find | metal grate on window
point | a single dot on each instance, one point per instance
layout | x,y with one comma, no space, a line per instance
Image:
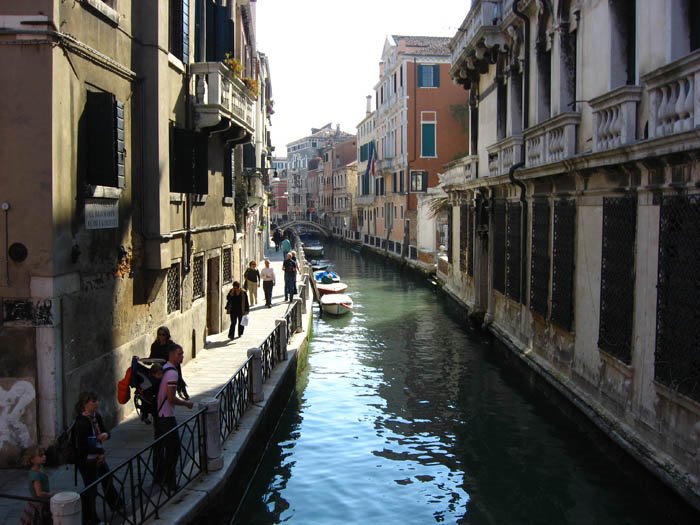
198,277
677,360
563,263
617,276
539,258
513,266
174,287
226,261
463,233
470,242
499,246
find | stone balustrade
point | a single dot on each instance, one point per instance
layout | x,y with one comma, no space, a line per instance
674,99
552,140
615,117
503,154
478,24
219,95
458,172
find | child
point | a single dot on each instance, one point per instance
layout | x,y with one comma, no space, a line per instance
156,371
35,511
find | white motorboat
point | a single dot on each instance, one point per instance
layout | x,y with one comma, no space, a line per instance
330,288
336,304
313,249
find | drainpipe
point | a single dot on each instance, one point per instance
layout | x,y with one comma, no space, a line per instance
526,65
526,124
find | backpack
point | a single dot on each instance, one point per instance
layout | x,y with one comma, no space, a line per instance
146,399
63,450
124,388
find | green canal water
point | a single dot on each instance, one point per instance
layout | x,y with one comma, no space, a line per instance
405,414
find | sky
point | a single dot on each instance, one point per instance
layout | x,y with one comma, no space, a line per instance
324,55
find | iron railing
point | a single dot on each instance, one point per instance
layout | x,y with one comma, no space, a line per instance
130,492
234,398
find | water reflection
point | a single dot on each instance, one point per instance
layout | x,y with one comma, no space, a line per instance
409,416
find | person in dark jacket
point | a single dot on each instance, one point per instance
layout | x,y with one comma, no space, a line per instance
237,306
160,349
90,435
252,279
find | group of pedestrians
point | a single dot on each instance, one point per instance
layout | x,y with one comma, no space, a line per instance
89,433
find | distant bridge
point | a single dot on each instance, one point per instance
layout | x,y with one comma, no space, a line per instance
307,224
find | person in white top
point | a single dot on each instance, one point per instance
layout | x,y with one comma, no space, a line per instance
167,453
267,275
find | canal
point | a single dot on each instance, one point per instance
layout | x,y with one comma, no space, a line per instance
405,414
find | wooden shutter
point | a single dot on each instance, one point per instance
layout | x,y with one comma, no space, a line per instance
201,163
102,139
181,160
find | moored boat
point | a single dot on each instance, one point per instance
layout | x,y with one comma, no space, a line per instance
313,249
336,304
318,265
330,288
326,277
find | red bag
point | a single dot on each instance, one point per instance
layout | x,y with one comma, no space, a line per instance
123,388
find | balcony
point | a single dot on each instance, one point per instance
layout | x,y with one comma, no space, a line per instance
552,140
503,154
459,172
221,97
479,32
615,118
674,105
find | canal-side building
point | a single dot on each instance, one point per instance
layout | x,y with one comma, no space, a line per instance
575,213
123,191
278,190
417,126
363,206
299,154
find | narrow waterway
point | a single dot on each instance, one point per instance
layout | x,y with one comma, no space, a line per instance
407,415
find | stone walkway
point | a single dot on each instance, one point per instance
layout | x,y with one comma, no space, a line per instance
205,375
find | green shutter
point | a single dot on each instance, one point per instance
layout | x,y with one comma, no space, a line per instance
427,140
436,75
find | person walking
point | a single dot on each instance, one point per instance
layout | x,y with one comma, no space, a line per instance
167,453
289,267
237,306
160,349
267,275
252,278
286,247
90,436
277,238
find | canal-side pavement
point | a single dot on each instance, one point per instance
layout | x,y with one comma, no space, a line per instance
205,375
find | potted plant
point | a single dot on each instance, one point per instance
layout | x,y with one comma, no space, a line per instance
234,65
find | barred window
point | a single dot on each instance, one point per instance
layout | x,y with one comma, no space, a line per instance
470,242
174,287
513,266
226,271
499,246
539,258
463,233
617,276
677,360
198,277
563,264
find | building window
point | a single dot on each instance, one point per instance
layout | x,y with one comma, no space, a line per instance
539,258
428,75
617,277
428,138
180,29
198,277
105,140
226,270
188,161
513,253
677,360
419,181
623,43
173,285
499,246
563,246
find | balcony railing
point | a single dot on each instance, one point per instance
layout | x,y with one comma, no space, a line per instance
504,154
615,117
219,95
481,23
674,104
459,172
552,140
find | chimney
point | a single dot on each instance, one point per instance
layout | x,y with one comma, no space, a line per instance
369,105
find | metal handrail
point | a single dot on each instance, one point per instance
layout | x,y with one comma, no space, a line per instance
140,496
234,399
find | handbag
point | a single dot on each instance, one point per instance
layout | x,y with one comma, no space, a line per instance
244,320
245,285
